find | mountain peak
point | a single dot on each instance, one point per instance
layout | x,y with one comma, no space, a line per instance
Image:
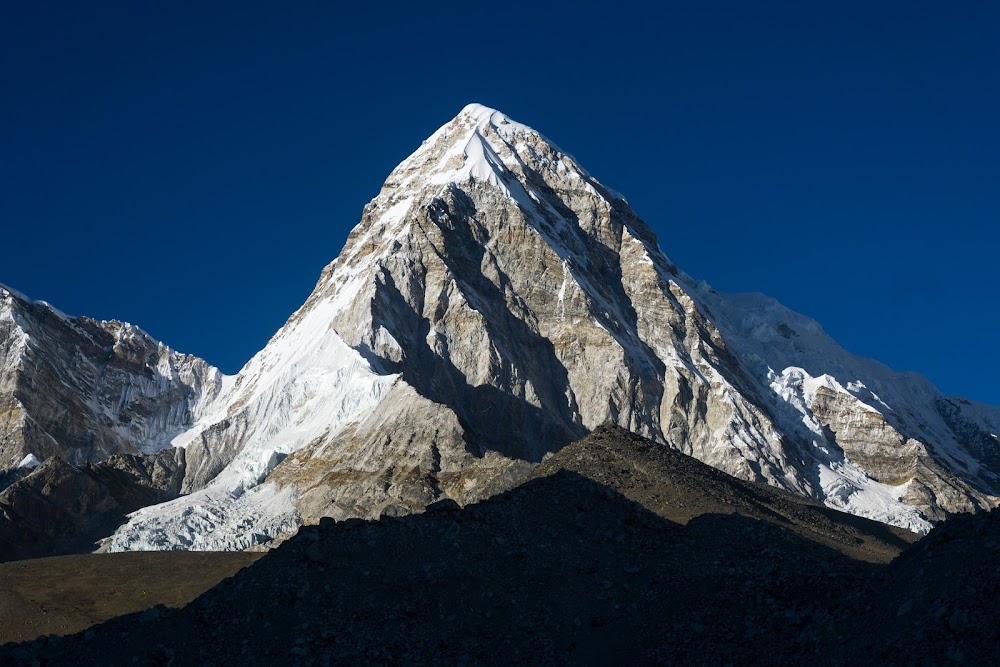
485,120
476,144
482,114
495,303
485,146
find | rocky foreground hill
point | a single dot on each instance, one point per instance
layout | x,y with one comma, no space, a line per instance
495,303
622,552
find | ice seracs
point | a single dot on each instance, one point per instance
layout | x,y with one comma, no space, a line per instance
305,386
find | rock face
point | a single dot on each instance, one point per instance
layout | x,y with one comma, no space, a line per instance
85,390
495,303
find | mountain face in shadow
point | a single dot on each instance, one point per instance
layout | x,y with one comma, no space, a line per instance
60,508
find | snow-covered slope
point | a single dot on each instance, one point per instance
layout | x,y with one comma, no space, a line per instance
496,302
306,384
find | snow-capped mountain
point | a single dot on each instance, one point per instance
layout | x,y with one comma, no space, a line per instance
497,302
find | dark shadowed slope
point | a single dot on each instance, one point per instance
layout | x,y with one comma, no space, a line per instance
60,508
679,488
942,597
563,569
559,570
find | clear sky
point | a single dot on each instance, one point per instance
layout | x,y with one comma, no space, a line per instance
191,169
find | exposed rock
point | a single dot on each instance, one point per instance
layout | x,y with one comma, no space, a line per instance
681,488
84,390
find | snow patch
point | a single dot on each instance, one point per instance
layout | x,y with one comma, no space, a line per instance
29,462
848,489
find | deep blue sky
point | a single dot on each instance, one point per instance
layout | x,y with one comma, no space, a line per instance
192,169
